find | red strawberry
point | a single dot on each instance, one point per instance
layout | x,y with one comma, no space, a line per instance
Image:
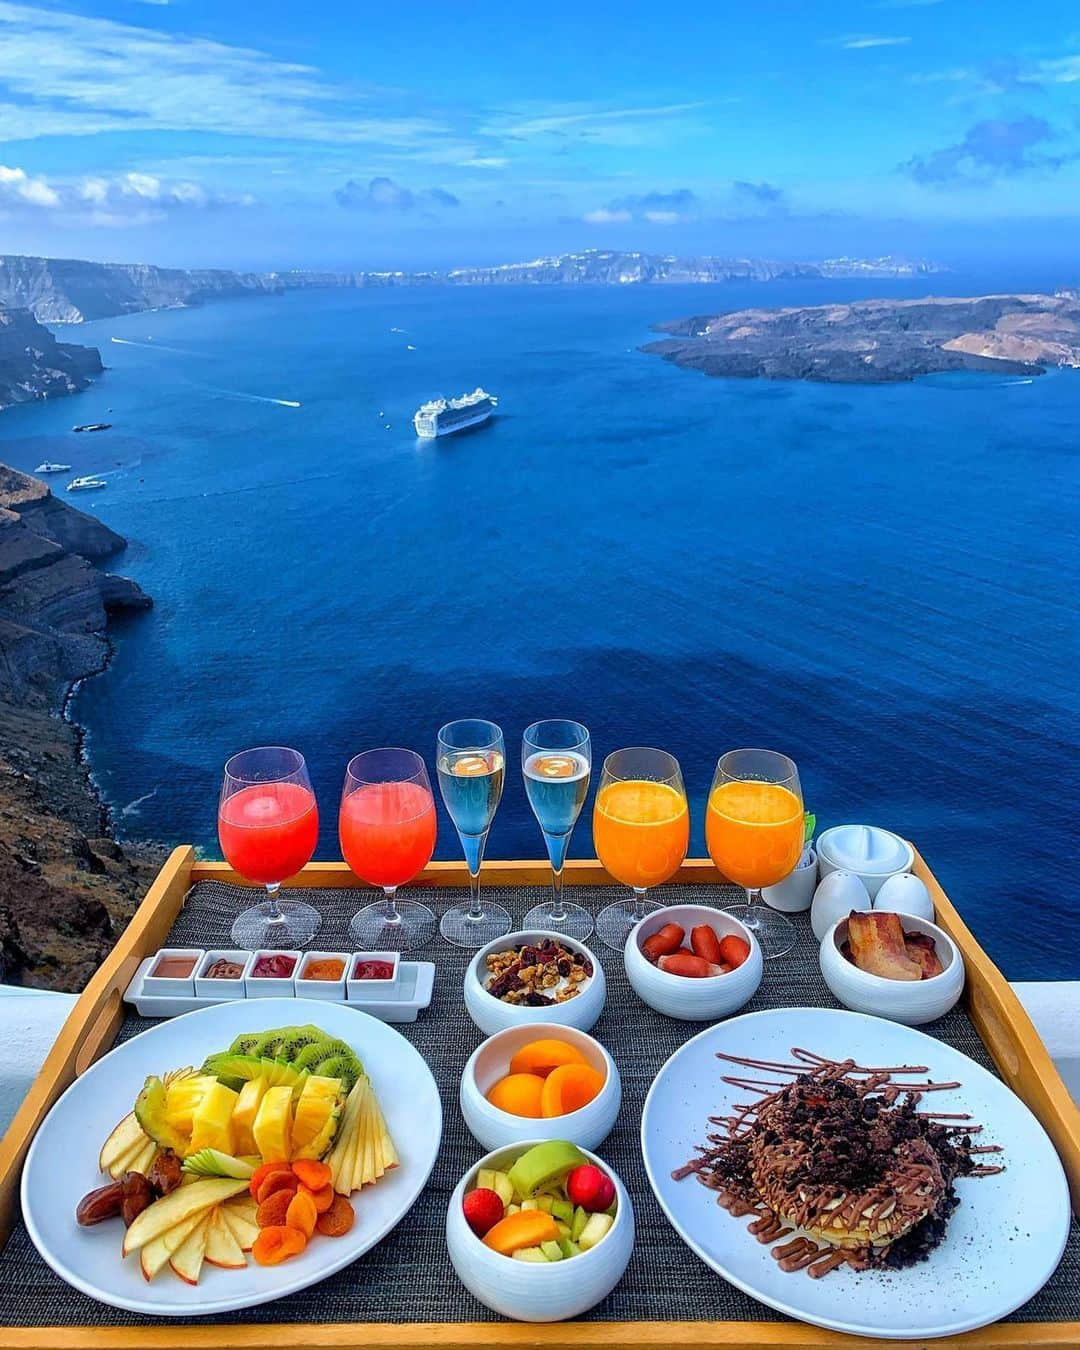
482,1209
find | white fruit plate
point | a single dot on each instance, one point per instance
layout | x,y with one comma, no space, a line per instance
62,1163
1004,1240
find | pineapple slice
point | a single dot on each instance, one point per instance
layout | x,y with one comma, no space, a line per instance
318,1103
182,1097
211,1120
244,1113
273,1125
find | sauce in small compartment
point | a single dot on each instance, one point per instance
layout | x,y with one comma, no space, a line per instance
324,969
373,970
274,966
223,969
173,968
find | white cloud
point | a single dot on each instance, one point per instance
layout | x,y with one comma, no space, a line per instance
79,75
122,199
864,41
603,216
1060,70
17,186
603,126
484,162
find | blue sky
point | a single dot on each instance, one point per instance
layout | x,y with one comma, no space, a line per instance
348,133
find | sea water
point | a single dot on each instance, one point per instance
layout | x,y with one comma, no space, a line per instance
878,580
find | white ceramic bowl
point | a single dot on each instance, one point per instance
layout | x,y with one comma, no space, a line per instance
529,1292
688,999
491,1014
490,1061
909,1001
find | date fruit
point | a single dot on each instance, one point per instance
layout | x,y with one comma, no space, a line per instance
104,1203
137,1194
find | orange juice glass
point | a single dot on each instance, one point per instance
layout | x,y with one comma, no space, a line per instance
754,829
641,828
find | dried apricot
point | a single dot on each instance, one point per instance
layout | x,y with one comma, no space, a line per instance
569,1088
322,1198
262,1172
518,1094
302,1213
544,1055
338,1219
271,1213
274,1245
276,1181
314,1175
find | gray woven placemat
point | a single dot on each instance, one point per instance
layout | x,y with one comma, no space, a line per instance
408,1277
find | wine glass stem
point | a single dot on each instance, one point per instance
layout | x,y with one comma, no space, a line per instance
639,903
475,911
275,915
390,909
558,909
753,896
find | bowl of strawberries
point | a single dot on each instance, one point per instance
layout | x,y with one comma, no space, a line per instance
693,962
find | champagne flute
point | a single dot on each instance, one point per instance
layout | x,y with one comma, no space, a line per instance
387,829
754,829
556,760
641,828
268,826
471,764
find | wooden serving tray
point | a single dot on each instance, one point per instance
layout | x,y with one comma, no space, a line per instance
1006,1030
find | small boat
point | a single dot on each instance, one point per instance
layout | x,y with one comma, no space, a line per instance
92,426
47,466
86,484
409,347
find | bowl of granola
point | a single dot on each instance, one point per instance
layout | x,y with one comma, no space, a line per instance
534,976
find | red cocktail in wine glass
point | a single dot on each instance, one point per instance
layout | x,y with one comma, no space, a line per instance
268,825
387,831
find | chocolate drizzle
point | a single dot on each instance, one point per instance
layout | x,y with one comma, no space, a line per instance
840,1155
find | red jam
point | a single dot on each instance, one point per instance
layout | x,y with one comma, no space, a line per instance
372,970
274,967
173,968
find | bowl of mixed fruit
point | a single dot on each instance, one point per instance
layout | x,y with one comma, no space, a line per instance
540,1231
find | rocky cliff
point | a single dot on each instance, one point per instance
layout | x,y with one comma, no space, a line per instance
878,341
33,365
66,887
65,290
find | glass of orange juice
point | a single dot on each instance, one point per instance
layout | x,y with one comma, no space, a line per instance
641,828
754,829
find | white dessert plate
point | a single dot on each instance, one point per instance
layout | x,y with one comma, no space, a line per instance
1004,1240
62,1163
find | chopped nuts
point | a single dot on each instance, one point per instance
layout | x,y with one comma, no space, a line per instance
535,976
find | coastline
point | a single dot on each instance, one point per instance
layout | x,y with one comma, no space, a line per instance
67,887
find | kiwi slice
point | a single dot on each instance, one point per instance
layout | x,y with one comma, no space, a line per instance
271,1044
312,1054
344,1066
298,1039
245,1043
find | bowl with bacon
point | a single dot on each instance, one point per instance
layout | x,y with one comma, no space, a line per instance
892,965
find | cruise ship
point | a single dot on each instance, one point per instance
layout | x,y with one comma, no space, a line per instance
442,416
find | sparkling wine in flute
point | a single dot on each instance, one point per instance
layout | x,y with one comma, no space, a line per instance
471,782
556,782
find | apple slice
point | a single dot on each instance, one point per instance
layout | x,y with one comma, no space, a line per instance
243,1230
222,1248
154,1256
177,1206
242,1206
187,1260
125,1139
